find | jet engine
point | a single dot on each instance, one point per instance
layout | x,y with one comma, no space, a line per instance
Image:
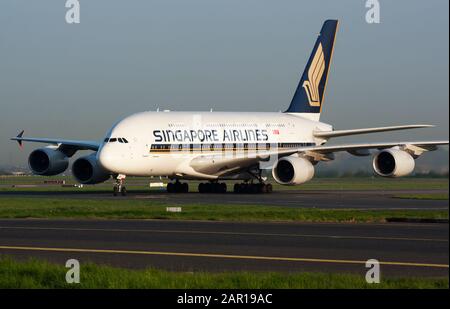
293,171
87,170
393,163
47,162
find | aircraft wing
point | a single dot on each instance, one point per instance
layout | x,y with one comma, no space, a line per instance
72,145
363,149
339,133
234,162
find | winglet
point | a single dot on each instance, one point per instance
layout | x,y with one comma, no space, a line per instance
18,138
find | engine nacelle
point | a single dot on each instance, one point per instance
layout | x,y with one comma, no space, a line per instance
47,162
293,171
88,171
393,163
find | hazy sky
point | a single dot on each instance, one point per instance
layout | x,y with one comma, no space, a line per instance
75,81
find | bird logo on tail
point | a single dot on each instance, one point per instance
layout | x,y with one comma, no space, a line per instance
315,73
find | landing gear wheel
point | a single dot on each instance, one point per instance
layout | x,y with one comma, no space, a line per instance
123,191
260,188
177,187
212,187
119,190
252,188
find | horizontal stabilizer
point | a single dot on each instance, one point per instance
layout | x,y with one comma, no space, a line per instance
338,133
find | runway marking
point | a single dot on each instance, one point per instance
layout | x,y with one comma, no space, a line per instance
221,256
223,233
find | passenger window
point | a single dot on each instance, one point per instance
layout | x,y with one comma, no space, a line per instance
106,140
125,140
113,140
120,140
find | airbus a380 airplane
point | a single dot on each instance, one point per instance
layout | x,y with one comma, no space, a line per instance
215,146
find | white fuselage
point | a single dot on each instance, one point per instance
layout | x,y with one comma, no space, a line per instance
163,143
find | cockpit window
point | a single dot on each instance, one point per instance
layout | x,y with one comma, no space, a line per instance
114,139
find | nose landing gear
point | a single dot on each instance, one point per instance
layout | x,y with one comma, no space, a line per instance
119,186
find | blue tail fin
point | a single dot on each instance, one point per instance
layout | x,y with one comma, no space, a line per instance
308,97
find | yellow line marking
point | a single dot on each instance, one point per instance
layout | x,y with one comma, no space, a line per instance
221,233
222,256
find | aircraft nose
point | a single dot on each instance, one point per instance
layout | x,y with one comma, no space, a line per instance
106,159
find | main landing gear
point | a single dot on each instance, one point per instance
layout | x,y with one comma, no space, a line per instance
252,187
119,186
177,187
212,187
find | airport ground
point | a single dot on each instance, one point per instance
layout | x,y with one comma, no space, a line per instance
317,235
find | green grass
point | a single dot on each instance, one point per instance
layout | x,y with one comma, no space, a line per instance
37,274
432,196
145,209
